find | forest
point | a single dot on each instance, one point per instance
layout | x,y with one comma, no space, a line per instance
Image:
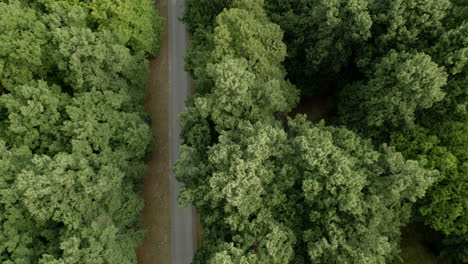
388,162
74,133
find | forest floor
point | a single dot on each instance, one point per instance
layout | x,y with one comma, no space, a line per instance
415,246
156,248
316,108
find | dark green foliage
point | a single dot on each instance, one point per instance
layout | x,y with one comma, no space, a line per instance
455,248
328,41
73,130
400,84
405,25
321,37
202,13
444,148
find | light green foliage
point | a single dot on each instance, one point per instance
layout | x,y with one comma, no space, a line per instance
65,202
319,194
73,129
444,148
248,34
239,33
100,242
400,84
34,112
358,197
22,37
238,71
99,119
22,239
238,95
87,60
237,187
136,23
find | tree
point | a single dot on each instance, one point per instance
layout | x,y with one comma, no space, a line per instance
397,69
317,194
404,25
85,59
34,111
22,239
451,51
202,13
239,33
73,129
400,84
331,42
137,25
66,208
317,59
22,57
238,72
99,119
444,207
238,94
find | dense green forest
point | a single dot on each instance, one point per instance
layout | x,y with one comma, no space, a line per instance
73,128
393,151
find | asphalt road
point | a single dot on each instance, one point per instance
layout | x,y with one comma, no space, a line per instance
183,227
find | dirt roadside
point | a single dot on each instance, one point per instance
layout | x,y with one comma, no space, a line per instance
156,248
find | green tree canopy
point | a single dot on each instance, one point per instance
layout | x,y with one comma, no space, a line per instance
22,38
135,24
238,70
271,191
331,43
73,129
444,148
321,36
34,111
239,33
238,94
317,194
400,84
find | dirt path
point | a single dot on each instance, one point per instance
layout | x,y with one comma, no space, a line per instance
156,248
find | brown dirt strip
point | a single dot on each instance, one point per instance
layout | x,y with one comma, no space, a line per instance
156,248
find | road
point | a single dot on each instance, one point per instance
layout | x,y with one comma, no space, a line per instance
182,221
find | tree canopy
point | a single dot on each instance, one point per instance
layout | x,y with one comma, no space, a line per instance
315,194
276,190
401,84
73,130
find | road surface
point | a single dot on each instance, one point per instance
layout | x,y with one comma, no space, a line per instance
183,227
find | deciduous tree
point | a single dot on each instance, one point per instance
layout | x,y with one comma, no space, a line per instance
317,194
400,84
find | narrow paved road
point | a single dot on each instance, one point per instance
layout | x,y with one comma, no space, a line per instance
183,228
